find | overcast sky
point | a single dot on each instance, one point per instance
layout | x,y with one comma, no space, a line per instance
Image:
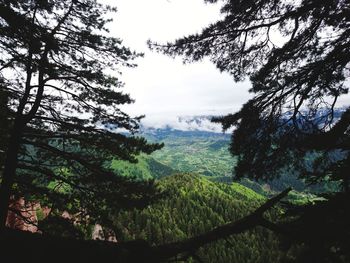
164,87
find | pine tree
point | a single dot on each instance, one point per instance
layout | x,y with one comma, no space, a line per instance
59,68
5,122
297,56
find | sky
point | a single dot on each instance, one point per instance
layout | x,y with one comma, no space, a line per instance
165,88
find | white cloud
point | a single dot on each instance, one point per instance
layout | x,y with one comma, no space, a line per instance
163,86
183,123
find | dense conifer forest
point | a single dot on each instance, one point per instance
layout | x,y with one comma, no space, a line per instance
194,205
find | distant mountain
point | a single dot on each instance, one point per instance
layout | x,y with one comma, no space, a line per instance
202,123
321,114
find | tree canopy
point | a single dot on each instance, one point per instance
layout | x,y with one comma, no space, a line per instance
62,94
59,71
296,55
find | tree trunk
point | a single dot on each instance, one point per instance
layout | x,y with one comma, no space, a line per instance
346,183
10,169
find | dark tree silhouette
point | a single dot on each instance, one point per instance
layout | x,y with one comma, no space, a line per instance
297,56
59,85
4,120
55,56
56,99
127,252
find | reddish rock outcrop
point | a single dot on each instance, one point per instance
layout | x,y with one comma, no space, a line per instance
99,233
22,215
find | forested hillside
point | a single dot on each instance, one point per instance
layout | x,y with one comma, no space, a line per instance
145,169
193,205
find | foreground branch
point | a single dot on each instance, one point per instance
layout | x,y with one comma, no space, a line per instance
58,249
192,244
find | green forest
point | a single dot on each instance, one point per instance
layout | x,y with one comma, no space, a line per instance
194,205
84,179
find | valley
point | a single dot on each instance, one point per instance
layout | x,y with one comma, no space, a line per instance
195,171
206,153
